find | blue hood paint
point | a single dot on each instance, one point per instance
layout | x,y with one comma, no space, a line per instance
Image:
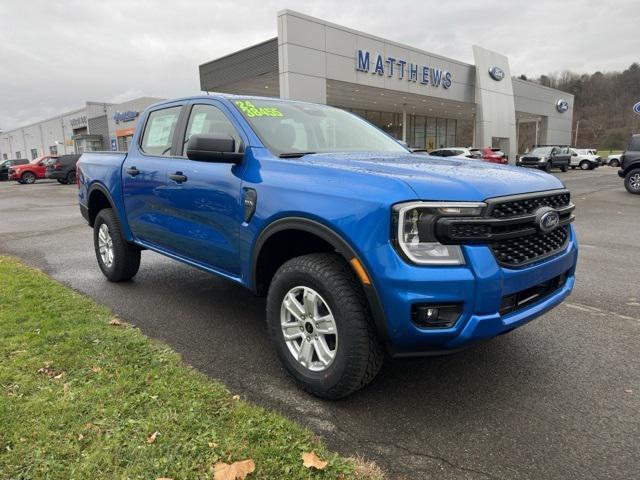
436,178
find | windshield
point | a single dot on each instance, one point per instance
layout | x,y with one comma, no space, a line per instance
541,151
298,128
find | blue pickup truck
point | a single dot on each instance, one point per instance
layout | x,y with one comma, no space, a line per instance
361,247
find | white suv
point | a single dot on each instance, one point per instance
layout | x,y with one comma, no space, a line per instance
456,152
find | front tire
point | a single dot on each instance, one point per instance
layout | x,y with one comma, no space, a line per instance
584,165
614,163
632,181
28,178
319,321
118,259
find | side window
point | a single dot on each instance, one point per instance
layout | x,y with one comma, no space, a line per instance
158,132
210,120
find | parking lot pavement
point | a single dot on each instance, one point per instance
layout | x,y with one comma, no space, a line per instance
558,398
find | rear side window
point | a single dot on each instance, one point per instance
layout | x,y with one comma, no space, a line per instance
158,132
210,120
634,145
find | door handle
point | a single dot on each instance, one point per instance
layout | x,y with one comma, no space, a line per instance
178,177
133,171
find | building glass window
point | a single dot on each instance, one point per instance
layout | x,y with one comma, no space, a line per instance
422,132
4,156
34,153
18,154
53,150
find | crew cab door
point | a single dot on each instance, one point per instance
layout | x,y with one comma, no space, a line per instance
203,199
144,176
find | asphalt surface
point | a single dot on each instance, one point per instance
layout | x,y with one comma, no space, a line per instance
558,398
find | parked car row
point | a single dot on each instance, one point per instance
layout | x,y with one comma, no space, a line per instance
563,157
486,154
61,168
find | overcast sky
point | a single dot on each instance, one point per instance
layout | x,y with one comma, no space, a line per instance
55,55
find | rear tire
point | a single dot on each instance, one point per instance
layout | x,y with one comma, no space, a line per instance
118,259
61,181
632,181
71,177
28,178
338,364
563,168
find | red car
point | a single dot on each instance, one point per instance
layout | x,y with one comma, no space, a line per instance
493,155
30,172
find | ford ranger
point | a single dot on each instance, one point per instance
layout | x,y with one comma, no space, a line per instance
360,246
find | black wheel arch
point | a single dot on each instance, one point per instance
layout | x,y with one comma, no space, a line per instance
98,187
340,245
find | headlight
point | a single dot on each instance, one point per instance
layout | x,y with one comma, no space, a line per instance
414,230
542,158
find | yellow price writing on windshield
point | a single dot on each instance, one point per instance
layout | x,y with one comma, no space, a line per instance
250,110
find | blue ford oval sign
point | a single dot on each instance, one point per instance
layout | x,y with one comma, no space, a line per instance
636,108
496,73
562,105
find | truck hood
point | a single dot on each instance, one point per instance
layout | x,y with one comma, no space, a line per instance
436,178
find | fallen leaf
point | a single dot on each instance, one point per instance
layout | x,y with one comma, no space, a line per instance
50,372
88,425
81,437
628,391
152,437
95,369
213,445
236,397
311,460
16,352
235,471
66,387
115,322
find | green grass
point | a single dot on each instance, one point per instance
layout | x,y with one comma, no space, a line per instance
116,389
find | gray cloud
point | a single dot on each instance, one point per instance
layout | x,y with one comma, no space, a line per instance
55,54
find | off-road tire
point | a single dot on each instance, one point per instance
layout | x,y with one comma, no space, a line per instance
359,353
631,179
126,256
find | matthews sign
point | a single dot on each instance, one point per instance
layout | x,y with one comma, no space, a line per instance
395,67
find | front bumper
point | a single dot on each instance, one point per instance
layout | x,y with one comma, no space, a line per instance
479,286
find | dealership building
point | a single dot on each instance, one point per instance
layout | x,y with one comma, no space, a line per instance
425,99
96,126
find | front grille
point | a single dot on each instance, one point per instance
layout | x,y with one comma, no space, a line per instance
523,206
522,250
510,227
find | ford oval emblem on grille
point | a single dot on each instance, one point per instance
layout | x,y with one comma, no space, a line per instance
496,73
547,219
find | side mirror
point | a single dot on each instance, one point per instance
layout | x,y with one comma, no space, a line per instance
219,148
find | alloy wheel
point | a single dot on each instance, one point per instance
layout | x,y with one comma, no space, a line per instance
105,245
309,328
634,181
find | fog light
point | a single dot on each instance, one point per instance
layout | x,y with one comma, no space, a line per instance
435,315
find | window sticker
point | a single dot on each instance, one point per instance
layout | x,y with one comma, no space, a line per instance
250,110
160,131
197,123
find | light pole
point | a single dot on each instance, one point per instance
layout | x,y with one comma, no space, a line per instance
575,139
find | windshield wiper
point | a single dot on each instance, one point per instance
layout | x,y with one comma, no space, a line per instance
295,154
